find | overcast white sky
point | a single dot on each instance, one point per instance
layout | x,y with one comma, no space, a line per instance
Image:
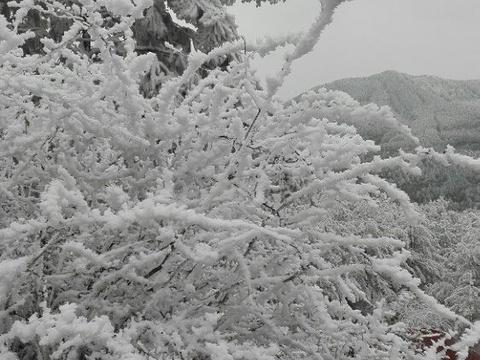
418,37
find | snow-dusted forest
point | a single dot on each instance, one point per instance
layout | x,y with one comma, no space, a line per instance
158,203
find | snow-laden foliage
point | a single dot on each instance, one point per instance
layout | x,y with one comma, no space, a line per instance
169,29
458,285
187,225
464,274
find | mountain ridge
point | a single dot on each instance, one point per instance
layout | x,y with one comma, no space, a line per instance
439,111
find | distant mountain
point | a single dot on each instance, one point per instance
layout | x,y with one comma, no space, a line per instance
438,111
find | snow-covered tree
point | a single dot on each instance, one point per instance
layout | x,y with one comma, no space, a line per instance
458,286
464,260
168,29
193,226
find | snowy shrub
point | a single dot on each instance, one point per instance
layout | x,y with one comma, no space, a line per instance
189,224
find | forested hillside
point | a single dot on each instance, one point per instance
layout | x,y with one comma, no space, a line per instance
440,113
